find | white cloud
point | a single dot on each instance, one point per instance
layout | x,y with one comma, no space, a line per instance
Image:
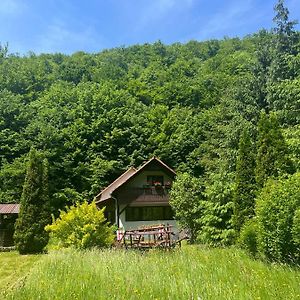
58,38
234,16
293,6
156,10
11,7
163,6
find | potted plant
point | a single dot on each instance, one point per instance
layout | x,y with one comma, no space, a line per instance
157,184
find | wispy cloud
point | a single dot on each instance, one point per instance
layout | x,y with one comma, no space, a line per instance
293,6
163,6
11,7
156,10
236,14
59,38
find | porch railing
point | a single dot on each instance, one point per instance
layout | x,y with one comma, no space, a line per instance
145,194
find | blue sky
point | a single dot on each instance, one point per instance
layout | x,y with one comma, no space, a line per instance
67,26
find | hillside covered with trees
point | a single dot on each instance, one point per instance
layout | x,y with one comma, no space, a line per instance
226,112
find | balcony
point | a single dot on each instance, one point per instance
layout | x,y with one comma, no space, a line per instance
145,195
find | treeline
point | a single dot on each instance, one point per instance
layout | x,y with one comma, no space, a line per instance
251,195
94,115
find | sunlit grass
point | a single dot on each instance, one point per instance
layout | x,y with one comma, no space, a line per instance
12,269
189,273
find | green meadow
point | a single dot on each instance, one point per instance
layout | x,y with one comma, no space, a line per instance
191,272
14,268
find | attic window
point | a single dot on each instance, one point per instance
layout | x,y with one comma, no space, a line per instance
155,179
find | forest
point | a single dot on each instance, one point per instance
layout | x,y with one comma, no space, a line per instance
225,114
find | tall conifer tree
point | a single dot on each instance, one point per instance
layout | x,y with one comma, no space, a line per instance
284,41
245,188
285,34
272,152
30,236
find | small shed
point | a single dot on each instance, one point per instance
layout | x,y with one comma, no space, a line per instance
8,216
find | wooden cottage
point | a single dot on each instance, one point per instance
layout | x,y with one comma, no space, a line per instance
140,197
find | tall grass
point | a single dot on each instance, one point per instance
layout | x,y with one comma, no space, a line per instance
189,273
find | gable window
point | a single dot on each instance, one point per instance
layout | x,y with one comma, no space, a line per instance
155,180
148,213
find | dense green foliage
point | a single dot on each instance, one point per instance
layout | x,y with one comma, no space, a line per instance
245,184
216,226
81,226
296,231
248,238
35,213
185,199
278,219
188,273
272,158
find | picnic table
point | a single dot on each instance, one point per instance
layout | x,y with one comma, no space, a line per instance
146,237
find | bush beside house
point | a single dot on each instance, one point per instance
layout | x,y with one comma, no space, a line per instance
81,226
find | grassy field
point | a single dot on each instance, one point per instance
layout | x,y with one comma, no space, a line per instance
189,273
13,267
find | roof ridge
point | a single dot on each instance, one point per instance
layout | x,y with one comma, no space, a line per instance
160,161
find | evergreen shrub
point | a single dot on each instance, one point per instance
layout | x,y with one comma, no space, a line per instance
30,236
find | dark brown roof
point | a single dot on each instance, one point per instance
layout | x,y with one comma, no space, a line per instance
9,208
159,161
106,193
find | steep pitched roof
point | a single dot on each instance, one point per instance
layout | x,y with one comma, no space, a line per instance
130,173
159,161
9,208
106,193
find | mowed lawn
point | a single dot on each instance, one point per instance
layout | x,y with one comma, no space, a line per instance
192,272
13,267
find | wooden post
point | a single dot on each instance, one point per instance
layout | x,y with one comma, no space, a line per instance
130,240
124,236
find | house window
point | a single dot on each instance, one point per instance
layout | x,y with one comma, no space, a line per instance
148,213
155,180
